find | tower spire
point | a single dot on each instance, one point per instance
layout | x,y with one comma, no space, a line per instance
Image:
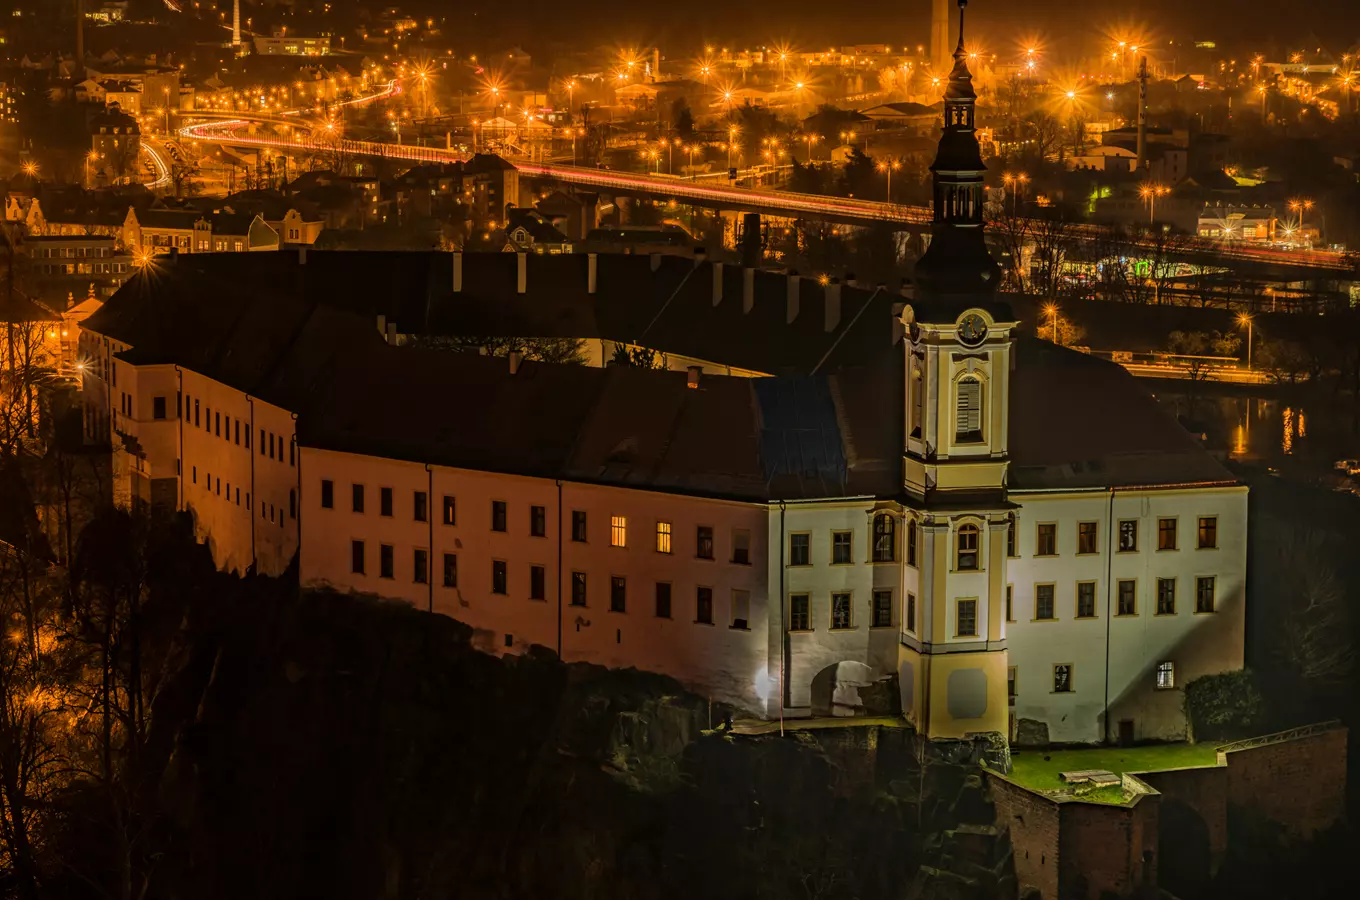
957,264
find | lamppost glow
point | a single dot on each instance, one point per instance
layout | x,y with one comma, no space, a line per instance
1150,193
1244,319
889,166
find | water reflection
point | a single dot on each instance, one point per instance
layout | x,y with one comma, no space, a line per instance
1262,430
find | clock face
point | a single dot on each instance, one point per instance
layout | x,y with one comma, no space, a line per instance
972,329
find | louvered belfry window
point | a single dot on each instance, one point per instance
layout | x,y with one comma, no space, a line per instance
968,414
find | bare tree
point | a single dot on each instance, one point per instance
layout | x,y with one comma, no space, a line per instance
1311,633
1045,132
1052,243
27,364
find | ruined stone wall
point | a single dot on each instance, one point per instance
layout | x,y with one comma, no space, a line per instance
1105,848
1034,824
1300,783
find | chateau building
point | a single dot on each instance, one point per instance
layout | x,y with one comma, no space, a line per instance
917,508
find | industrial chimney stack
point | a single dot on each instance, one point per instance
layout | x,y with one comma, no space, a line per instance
1142,112
236,23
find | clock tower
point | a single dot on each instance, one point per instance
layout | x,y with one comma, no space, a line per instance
955,457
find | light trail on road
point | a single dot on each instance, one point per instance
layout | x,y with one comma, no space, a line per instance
788,203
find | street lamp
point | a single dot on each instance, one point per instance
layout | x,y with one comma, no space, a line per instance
1244,319
1014,182
810,139
731,142
888,166
1051,310
1299,207
1150,193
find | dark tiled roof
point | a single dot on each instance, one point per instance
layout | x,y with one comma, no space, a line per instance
305,337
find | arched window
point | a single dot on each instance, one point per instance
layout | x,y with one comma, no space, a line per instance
968,548
885,538
968,411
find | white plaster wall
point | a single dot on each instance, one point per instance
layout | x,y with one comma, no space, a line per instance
724,662
1198,644
811,652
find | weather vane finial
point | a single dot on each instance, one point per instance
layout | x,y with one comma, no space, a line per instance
963,5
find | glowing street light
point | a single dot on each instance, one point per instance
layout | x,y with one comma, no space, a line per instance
1244,319
889,166
1051,310
1150,193
31,169
1014,182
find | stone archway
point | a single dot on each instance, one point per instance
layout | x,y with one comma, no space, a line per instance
836,689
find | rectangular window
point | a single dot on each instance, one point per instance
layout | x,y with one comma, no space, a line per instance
663,599
238,432
1128,535
840,611
1166,675
292,502
911,543
911,613
800,612
1127,599
578,526
196,422
1086,537
618,594
271,446
538,521
158,407
450,511
538,583
800,549
704,542
578,588
327,494
885,538
741,546
247,436
292,450
1010,603
217,423
882,611
420,565
450,570
1166,596
1010,685
663,537
1204,594
842,543
1012,549
968,411
618,531
356,557
1043,601
703,605
499,577
1086,599
1166,534
741,610
966,622
262,442
357,497
1046,540
498,515
385,502
1062,678
386,565
420,506
1208,533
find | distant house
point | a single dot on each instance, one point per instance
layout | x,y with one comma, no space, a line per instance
527,231
914,116
1237,223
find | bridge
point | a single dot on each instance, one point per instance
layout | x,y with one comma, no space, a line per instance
306,136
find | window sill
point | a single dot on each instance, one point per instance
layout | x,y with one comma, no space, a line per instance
538,599
1088,553
882,562
737,562
447,585
1045,555
500,594
1206,612
842,563
883,627
1086,617
1126,551
972,637
531,534
1062,692
1167,549
577,606
1162,687
619,611
798,565
1054,619
1164,615
1206,548
849,628
699,622
802,631
704,558
1132,615
738,628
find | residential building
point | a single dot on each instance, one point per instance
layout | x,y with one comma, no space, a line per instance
527,231
1255,224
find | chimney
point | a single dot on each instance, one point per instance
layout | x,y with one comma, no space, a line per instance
655,259
458,272
302,256
592,272
717,283
392,333
693,380
522,268
833,304
792,304
382,325
748,289
516,359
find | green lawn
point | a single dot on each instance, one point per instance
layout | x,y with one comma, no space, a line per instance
1038,769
